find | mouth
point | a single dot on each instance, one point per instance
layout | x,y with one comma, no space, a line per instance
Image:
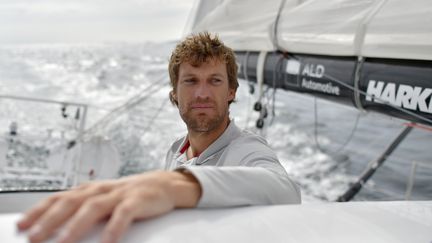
201,106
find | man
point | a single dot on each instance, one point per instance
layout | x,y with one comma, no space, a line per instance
215,165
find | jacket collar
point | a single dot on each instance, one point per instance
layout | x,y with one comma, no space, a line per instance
230,133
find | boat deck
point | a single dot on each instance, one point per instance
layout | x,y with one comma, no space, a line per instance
392,221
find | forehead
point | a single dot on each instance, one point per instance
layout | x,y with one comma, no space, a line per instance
211,66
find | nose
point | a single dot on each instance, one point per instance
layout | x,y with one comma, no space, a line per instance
202,91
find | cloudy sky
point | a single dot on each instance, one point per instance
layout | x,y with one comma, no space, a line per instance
78,21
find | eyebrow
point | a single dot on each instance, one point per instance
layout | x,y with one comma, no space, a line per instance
218,75
188,75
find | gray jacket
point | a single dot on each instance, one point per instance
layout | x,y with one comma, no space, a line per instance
239,168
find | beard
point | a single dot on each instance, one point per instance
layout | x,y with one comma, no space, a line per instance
205,121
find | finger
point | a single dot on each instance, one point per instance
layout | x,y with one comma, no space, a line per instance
92,211
54,217
61,210
33,214
120,220
141,205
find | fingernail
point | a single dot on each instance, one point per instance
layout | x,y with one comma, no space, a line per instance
63,237
35,231
21,222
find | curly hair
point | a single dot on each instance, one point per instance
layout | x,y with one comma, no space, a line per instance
197,49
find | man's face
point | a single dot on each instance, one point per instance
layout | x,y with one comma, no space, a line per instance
203,94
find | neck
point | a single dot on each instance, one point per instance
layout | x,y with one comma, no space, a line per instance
200,141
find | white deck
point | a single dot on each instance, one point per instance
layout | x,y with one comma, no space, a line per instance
397,221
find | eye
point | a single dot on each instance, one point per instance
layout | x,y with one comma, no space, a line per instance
189,81
216,81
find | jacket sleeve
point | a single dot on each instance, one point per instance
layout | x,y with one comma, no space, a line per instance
257,179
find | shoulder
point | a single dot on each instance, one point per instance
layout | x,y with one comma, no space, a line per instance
250,139
239,137
248,147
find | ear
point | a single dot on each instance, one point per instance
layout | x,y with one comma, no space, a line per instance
173,95
173,98
231,94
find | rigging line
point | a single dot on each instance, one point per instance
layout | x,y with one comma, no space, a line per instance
146,129
249,111
373,166
366,151
275,25
357,74
250,86
275,77
117,111
268,99
273,111
427,128
399,160
135,100
98,107
379,99
369,95
246,77
146,93
246,59
344,144
375,143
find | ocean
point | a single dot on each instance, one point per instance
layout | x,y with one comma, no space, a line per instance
323,146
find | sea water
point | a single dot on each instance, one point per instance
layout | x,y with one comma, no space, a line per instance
319,143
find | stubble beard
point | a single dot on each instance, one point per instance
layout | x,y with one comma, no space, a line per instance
202,123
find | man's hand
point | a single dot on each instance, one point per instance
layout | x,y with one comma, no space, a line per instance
122,201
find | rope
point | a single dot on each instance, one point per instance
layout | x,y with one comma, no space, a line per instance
373,167
358,68
426,128
354,89
129,104
147,128
245,66
276,23
248,115
275,77
379,99
344,144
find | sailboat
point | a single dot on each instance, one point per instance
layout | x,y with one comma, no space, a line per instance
374,55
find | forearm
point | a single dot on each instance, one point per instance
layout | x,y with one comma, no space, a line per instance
184,188
239,185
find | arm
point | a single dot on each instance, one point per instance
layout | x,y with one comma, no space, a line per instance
260,180
124,200
239,186
245,172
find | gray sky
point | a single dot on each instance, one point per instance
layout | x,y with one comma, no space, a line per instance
82,21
